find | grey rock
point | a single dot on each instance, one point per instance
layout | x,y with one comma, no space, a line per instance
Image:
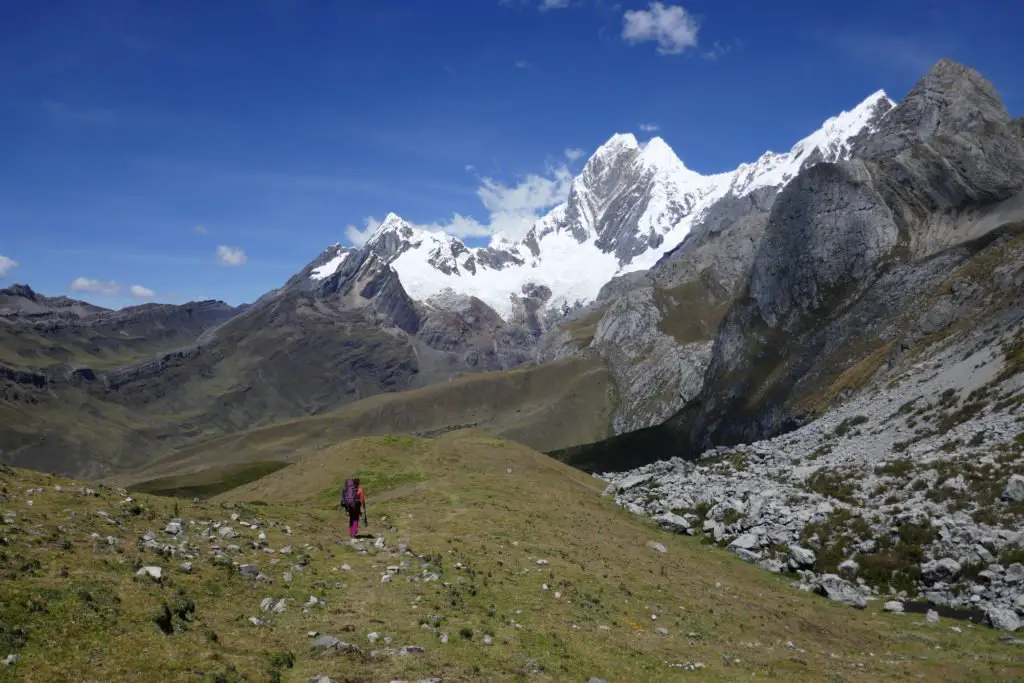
11,660
848,568
1003,619
835,588
250,571
932,617
894,606
186,567
325,643
671,521
654,545
944,570
747,555
1014,488
320,678
1014,573
802,557
153,572
745,542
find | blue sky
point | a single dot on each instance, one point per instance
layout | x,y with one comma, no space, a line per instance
201,149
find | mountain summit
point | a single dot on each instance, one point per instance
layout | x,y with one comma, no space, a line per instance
633,202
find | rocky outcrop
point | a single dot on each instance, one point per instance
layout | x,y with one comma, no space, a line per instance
22,302
827,232
948,146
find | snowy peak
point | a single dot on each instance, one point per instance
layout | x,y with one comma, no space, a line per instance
632,202
831,142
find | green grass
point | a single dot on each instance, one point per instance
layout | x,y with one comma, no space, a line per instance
210,482
75,610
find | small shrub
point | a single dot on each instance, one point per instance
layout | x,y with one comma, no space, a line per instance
896,468
832,484
466,633
849,423
280,660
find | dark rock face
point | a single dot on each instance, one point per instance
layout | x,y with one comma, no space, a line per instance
827,230
722,245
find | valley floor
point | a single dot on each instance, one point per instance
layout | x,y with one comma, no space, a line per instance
483,560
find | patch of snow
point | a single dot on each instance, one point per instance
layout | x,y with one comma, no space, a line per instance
330,268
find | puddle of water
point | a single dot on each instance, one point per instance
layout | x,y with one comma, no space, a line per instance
972,615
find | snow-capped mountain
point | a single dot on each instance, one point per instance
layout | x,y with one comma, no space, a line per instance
632,203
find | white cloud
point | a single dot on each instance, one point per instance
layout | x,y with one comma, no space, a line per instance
649,127
6,265
553,4
140,292
84,284
202,230
670,26
512,209
470,168
357,237
522,64
230,256
572,154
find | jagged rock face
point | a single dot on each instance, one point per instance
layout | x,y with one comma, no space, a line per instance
365,282
611,196
827,231
949,145
467,327
657,373
654,373
20,301
722,246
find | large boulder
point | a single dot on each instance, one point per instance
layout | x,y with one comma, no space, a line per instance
836,588
1014,488
944,570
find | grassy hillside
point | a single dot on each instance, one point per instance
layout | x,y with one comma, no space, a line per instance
559,404
515,560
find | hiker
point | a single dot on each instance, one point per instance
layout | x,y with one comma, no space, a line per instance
353,499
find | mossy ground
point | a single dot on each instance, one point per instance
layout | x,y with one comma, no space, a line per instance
71,606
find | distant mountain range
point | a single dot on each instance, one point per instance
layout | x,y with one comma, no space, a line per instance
632,203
